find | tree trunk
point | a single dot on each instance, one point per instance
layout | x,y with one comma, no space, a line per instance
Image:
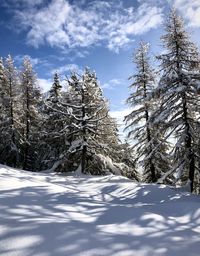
152,167
13,140
27,129
188,145
83,159
188,137
84,147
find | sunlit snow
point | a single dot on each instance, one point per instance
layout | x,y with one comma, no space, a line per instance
51,215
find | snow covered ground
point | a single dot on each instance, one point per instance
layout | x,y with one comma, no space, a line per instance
50,215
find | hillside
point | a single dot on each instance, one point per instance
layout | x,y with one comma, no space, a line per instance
51,215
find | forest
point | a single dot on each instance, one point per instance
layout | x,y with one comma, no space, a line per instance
71,130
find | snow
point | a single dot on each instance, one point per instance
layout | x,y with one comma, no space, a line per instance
47,215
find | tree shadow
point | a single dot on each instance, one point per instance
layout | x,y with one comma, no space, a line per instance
77,217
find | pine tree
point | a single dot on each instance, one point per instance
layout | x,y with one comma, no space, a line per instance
178,94
147,143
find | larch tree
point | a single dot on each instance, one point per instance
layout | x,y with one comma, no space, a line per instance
87,114
54,132
3,116
55,91
31,99
108,150
178,95
9,104
91,133
147,144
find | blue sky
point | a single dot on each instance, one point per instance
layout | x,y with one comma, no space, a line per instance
60,35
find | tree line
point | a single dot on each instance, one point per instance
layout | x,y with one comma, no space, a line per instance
62,130
72,130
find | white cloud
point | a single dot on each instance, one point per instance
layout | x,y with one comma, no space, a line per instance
34,61
66,68
65,25
45,84
112,84
190,10
146,18
120,114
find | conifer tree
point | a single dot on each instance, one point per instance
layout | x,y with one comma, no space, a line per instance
55,91
9,105
53,144
178,95
87,115
147,143
2,109
88,134
31,99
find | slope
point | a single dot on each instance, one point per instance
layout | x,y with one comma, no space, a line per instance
51,215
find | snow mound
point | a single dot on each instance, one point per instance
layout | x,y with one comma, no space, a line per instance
51,215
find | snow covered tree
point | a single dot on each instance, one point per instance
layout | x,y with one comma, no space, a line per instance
147,144
2,109
179,100
9,145
106,146
30,98
54,131
55,91
2,89
126,161
86,134
87,114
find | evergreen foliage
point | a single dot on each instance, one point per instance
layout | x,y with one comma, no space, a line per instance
30,119
146,137
179,100
53,135
72,131
10,141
